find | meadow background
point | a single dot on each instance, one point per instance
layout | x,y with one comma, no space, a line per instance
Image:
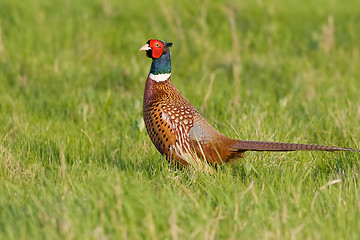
76,161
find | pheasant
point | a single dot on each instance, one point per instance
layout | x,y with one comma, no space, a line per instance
180,132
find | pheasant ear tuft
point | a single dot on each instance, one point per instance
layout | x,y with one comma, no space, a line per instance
169,44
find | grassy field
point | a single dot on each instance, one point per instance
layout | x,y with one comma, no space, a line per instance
76,161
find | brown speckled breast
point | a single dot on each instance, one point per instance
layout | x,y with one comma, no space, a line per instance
167,118
176,128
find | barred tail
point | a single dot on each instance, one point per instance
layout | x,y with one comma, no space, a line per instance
241,145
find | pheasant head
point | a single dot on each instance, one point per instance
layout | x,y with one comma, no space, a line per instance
159,52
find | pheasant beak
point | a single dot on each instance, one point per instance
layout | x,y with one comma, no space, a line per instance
145,48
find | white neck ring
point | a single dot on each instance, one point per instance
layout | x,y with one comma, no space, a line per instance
160,77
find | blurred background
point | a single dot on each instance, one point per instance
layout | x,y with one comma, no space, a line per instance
58,55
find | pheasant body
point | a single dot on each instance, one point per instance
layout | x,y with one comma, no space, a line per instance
177,128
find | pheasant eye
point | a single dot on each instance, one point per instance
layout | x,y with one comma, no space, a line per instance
157,45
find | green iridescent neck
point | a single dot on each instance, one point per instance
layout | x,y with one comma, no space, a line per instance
161,65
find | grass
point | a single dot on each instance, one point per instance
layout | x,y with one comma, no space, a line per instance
76,161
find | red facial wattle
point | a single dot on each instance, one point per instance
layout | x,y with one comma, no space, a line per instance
157,48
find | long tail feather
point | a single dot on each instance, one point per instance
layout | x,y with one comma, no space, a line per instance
241,145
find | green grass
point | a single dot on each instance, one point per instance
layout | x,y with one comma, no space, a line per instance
76,161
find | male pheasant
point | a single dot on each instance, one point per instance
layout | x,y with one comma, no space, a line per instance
177,128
